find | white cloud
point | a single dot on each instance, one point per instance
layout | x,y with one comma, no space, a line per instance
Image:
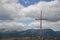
9,9
51,10
11,26
13,10
34,24
46,25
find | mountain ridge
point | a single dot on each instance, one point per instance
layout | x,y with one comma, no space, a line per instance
30,32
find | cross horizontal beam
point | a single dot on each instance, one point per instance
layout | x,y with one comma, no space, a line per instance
41,19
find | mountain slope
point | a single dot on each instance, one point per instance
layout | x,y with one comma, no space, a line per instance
30,32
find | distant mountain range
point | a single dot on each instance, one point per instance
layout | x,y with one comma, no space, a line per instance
30,32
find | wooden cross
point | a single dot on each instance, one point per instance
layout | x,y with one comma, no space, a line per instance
41,32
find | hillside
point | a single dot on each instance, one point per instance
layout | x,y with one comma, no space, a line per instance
30,32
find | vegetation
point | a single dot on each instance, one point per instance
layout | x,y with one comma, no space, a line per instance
29,38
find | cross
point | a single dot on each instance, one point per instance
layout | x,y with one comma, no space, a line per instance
41,32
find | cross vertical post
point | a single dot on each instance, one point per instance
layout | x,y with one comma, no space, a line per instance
41,26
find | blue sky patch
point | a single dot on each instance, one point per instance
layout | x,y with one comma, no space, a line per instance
31,2
27,21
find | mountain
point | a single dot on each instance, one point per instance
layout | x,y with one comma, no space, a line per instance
30,32
58,32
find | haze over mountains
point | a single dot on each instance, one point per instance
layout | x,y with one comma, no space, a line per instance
30,32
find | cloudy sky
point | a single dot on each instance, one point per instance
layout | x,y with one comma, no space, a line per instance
21,14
